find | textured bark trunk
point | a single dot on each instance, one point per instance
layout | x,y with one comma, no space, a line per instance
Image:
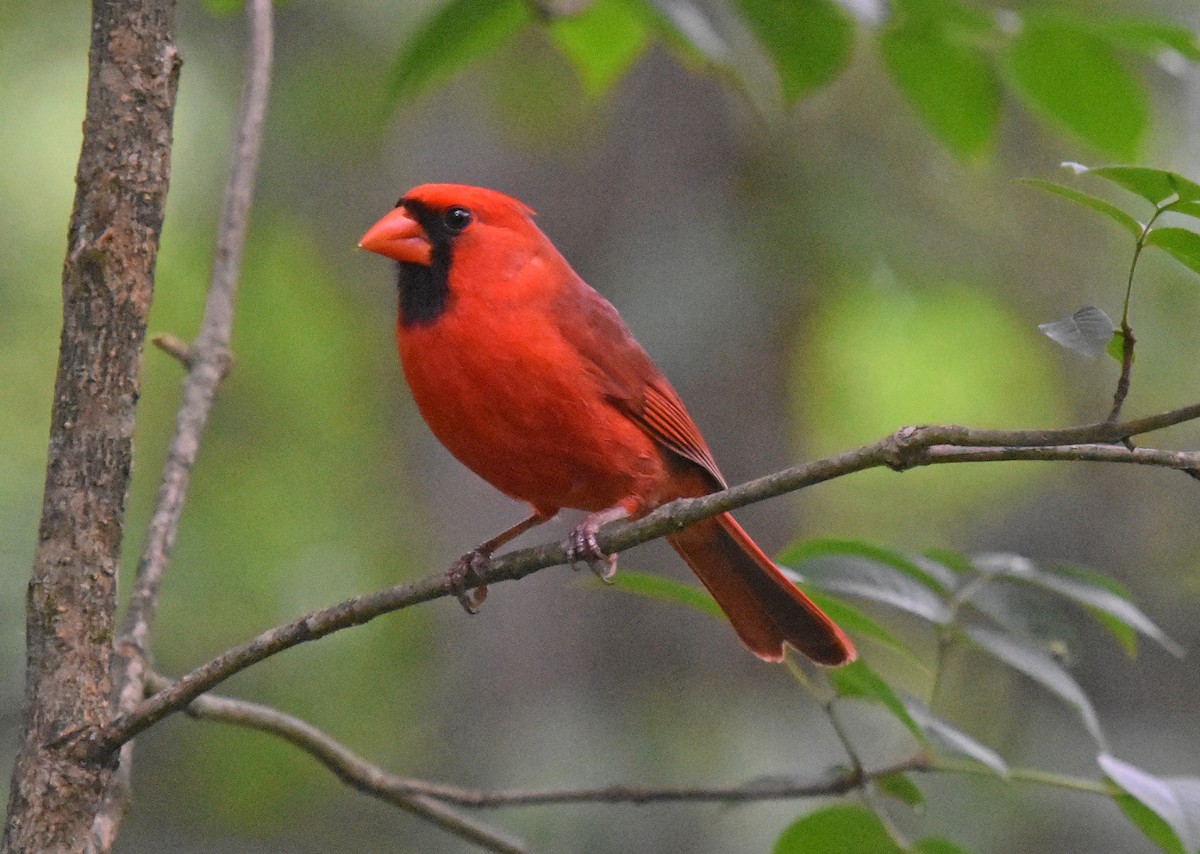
108,276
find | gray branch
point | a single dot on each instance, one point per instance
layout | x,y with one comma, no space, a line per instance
907,448
207,361
410,795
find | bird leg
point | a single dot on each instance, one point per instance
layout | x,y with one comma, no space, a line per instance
465,570
582,545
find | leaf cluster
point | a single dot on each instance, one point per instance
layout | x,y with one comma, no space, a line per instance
1089,330
954,61
995,604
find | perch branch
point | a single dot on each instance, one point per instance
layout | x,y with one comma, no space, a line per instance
907,448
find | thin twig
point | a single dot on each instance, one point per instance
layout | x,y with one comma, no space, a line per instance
907,448
393,788
351,769
366,777
1127,339
176,348
207,361
208,356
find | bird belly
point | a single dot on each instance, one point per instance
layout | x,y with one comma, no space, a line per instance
521,414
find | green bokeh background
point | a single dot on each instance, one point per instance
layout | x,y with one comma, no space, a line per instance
810,280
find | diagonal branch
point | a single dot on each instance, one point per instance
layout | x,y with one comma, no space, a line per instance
907,448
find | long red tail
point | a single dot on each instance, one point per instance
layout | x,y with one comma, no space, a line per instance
766,609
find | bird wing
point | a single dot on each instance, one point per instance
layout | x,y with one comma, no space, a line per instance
662,416
632,382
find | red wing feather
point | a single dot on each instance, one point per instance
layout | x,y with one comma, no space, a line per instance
665,419
630,379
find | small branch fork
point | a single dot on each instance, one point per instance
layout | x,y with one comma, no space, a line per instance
907,448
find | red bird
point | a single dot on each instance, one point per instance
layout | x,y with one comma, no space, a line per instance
530,378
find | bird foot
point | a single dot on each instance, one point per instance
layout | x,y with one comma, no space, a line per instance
582,547
465,571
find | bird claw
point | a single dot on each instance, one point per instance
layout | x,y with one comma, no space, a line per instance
582,547
464,571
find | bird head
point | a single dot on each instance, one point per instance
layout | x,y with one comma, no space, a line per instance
454,241
434,221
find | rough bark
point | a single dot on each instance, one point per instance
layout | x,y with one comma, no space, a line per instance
121,187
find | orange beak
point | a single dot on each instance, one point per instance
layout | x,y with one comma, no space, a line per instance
397,235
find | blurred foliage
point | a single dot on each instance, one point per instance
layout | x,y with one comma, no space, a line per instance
1066,67
869,371
806,212
965,600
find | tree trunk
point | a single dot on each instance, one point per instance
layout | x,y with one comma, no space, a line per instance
108,278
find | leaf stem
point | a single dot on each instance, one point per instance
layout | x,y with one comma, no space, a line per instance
1028,775
1127,339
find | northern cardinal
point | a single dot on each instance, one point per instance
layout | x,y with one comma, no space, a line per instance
531,379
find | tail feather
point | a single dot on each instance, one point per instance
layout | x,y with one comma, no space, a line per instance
766,609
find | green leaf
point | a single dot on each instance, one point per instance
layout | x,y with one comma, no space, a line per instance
900,787
808,40
878,582
1116,347
1119,629
1119,216
1153,185
857,623
463,31
1073,78
603,41
1188,207
1099,595
691,37
946,77
858,681
937,845
809,549
841,829
1043,669
657,587
1086,331
1174,800
957,562
1151,37
953,740
1148,822
1181,244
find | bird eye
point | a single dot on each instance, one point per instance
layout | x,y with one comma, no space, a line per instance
456,219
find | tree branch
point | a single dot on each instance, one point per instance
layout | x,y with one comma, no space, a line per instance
207,358
410,795
207,361
401,791
904,449
107,284
427,799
